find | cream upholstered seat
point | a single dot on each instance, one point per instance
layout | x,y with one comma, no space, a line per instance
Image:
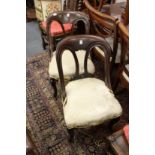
89,102
69,64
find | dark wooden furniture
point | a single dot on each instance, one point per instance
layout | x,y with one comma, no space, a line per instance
30,11
105,26
66,17
122,74
87,43
73,5
105,23
30,146
119,143
86,84
97,4
79,24
77,5
125,14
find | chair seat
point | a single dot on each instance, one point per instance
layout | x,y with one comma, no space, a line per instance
89,102
56,27
68,64
110,42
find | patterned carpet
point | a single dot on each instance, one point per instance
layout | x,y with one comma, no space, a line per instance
45,118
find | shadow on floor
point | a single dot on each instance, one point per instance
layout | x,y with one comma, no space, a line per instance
33,39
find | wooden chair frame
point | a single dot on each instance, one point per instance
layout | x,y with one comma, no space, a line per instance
104,25
87,43
63,17
124,35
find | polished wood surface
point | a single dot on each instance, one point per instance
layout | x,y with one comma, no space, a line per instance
104,25
124,39
63,17
118,143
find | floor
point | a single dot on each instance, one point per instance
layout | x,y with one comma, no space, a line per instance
33,39
45,120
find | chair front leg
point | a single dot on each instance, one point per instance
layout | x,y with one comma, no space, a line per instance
71,135
54,86
113,122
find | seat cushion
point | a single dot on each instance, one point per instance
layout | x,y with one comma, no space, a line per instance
88,103
68,64
56,27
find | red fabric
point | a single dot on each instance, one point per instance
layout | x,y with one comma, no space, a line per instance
126,132
56,27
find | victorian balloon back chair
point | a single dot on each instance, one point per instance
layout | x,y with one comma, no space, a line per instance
67,22
56,29
72,19
87,100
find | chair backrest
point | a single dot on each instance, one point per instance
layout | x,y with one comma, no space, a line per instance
103,24
86,43
97,4
124,35
63,17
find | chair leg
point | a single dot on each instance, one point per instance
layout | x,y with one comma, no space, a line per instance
71,135
113,122
42,37
115,85
54,85
44,44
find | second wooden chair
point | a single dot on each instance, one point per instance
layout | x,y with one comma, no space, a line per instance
65,17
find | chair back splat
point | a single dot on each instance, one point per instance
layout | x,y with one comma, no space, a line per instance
66,17
85,43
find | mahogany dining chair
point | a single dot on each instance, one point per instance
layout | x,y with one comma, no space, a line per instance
87,100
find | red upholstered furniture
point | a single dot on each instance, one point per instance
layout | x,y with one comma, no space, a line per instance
56,27
126,132
62,23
